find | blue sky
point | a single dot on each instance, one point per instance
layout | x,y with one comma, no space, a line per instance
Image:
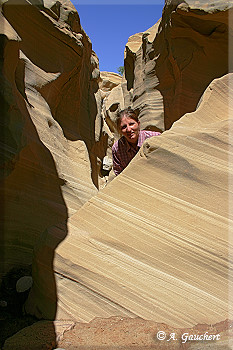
109,26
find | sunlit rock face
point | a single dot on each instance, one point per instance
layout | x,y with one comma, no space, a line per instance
190,51
52,127
155,242
169,66
109,80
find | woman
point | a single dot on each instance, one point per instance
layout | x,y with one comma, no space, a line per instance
132,138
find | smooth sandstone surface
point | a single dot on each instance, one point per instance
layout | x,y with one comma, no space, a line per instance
155,242
53,133
109,80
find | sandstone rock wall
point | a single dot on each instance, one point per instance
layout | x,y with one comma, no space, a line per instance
154,243
168,67
53,134
109,80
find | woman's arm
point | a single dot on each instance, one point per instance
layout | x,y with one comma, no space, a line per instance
117,166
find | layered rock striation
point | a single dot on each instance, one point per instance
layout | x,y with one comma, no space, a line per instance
155,242
53,134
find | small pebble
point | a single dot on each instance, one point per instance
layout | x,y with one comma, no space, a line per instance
23,284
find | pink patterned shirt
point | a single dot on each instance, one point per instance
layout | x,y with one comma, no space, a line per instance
123,152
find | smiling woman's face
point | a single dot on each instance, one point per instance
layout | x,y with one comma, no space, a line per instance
130,129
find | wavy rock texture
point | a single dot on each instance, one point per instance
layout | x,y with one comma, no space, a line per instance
109,80
53,129
169,66
154,243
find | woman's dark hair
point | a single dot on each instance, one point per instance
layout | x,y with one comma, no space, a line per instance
128,113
